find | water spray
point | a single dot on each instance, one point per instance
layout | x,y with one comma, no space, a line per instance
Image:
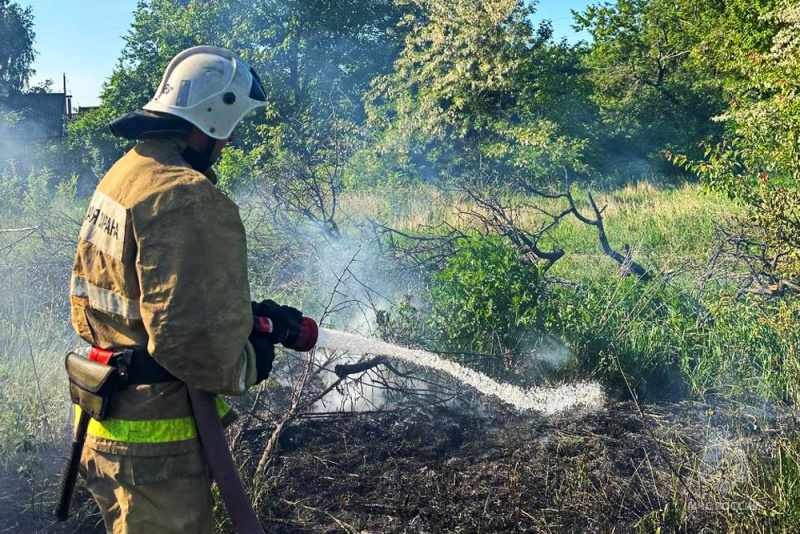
548,401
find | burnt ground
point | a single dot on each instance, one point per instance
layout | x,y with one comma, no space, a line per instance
439,470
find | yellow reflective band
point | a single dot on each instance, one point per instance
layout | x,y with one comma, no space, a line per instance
150,430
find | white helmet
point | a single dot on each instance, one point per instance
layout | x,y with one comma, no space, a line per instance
210,87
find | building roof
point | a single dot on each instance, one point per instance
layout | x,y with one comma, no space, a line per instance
38,115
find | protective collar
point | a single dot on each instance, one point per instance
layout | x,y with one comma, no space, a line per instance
200,161
140,125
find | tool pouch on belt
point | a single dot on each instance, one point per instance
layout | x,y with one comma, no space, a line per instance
92,385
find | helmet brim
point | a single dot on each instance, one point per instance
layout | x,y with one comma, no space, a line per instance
148,124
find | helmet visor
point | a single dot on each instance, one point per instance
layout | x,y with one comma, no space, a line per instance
257,91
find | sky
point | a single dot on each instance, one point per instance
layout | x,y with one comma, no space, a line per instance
83,38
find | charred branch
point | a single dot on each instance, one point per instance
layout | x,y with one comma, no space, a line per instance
496,216
625,261
343,370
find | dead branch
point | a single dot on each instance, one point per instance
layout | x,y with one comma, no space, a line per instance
500,217
625,261
302,399
12,230
743,256
28,231
343,370
309,179
419,250
290,415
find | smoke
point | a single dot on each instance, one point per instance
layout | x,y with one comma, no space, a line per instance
358,394
19,157
350,273
724,463
552,352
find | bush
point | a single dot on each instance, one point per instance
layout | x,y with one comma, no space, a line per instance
621,331
488,300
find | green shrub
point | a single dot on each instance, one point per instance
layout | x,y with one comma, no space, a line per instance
488,300
237,169
38,194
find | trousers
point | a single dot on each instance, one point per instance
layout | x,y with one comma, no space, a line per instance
150,494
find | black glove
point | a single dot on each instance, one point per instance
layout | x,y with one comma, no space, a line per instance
285,321
265,354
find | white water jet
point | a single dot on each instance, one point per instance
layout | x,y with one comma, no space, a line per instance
547,400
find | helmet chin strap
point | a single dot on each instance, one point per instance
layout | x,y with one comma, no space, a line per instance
200,161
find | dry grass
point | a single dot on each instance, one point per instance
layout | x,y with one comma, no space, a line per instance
667,221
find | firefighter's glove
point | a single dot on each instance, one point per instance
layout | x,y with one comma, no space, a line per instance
285,322
265,354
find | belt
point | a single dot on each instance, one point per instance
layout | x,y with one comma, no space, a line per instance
135,365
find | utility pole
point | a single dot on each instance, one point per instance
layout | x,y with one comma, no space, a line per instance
68,99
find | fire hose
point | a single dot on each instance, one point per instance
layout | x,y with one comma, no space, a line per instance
215,446
220,462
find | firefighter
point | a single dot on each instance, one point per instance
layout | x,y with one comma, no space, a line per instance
161,268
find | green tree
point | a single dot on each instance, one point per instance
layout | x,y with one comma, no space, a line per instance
759,161
160,29
652,91
312,51
16,47
477,83
311,55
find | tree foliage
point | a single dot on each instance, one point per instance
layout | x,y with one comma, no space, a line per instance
311,55
457,91
759,163
160,29
650,90
16,47
477,82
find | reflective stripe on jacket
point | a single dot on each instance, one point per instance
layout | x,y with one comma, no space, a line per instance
161,263
150,430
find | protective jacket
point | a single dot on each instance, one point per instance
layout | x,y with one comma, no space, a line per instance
161,263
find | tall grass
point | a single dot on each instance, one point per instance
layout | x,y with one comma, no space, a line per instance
675,221
40,222
34,396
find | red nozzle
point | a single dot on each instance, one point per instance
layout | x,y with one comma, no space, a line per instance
307,335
